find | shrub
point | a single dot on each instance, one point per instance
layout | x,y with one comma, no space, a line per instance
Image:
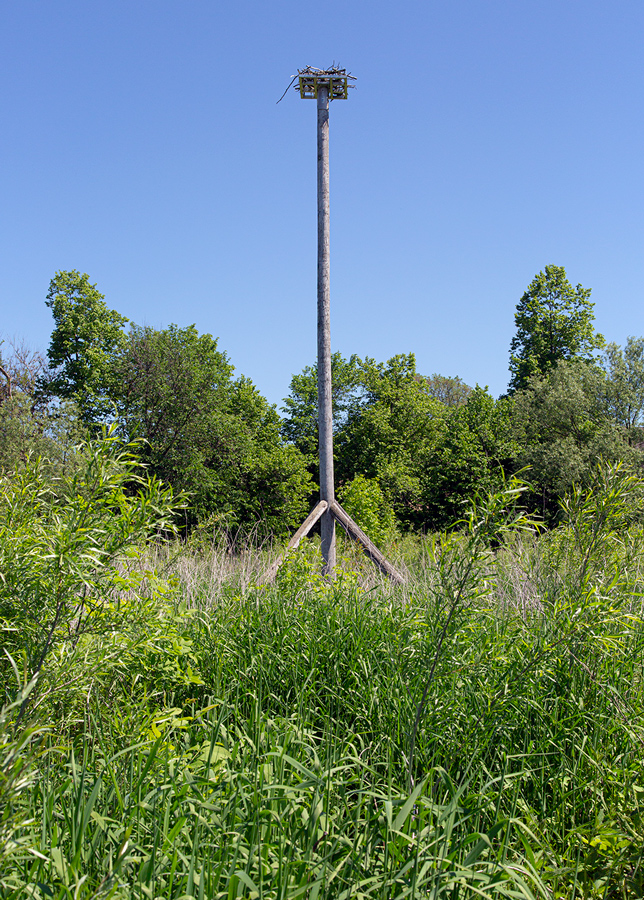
69,547
363,499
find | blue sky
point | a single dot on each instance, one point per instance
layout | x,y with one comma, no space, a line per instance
141,143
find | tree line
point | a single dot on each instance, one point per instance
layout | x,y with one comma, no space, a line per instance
409,448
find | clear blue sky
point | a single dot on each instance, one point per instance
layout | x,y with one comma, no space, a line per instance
140,142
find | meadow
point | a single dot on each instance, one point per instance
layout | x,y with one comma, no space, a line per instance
186,731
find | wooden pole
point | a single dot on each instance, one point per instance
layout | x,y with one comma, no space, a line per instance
328,509
325,395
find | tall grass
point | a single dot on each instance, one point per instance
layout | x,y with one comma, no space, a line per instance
476,732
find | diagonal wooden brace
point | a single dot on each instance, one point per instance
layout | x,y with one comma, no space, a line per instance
376,557
345,520
302,531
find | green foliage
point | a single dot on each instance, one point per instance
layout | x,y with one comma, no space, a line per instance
274,484
52,433
67,548
300,423
5,386
388,429
211,436
202,432
301,572
625,381
279,766
451,391
475,732
563,430
30,424
428,458
174,393
462,559
428,443
363,499
18,756
217,808
22,371
554,322
474,449
597,519
86,339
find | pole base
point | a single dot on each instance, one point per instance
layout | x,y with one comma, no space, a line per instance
344,519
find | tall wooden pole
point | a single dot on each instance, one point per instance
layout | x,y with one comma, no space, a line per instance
325,390
325,86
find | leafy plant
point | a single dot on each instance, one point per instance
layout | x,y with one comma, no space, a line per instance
69,547
256,742
364,501
461,559
207,434
18,755
554,322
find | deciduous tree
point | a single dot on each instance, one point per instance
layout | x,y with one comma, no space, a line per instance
389,428
563,429
31,424
86,339
452,391
426,443
474,450
554,322
625,381
300,423
208,434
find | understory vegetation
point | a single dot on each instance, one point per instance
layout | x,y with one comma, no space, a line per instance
173,728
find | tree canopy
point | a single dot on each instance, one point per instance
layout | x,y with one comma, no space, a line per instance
554,321
210,435
300,423
405,443
32,423
625,381
426,443
86,339
562,428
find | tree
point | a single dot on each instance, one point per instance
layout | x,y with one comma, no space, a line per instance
86,339
52,433
473,451
562,427
300,423
426,443
390,425
450,391
554,322
24,370
428,458
212,436
30,423
6,385
625,381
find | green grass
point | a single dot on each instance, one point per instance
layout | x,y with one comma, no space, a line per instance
477,732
